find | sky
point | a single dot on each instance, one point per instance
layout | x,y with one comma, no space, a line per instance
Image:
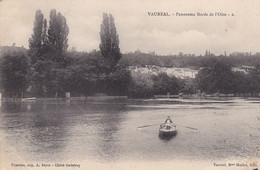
137,30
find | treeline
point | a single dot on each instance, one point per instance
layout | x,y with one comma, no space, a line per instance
146,86
217,77
214,76
49,69
139,58
88,74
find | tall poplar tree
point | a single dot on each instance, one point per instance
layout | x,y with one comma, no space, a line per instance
109,45
36,41
47,48
57,35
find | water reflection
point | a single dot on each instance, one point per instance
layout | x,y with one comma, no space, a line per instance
40,127
106,130
166,137
106,119
48,126
13,107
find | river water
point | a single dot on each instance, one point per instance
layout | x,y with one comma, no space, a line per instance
106,130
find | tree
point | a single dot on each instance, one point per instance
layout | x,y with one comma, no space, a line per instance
40,77
141,85
109,45
203,80
161,82
186,86
254,80
217,77
83,75
164,84
241,82
57,36
117,82
47,53
36,40
14,70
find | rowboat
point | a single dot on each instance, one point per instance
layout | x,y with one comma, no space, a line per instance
167,130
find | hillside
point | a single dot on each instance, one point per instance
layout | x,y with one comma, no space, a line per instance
187,60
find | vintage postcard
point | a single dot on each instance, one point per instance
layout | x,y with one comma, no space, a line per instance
129,84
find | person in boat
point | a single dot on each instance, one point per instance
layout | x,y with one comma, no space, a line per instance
168,120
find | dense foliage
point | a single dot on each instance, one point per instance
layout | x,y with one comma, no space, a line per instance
109,46
164,84
49,69
141,85
14,71
217,77
47,53
139,58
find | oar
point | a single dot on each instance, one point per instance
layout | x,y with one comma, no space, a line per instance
160,124
189,127
148,125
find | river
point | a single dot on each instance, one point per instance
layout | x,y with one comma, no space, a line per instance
106,130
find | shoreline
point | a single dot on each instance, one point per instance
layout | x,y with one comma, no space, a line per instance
104,98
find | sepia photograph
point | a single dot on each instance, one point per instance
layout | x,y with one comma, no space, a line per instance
129,84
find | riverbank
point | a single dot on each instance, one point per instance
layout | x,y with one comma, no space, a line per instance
82,98
100,98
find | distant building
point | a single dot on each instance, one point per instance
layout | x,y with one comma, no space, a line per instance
243,69
171,71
